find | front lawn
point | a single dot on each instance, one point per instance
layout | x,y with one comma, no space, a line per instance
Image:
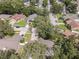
60,21
62,27
21,23
27,36
59,16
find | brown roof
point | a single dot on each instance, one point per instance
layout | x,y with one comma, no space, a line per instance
68,33
72,23
18,16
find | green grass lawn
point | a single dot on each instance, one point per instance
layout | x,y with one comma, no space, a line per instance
62,27
59,15
60,21
21,23
27,36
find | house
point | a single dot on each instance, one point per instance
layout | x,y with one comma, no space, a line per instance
72,23
16,17
4,16
18,22
68,33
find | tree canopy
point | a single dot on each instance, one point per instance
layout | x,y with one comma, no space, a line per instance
5,29
44,28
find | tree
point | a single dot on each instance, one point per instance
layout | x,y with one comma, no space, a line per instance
56,8
11,6
65,49
6,54
36,50
71,6
45,3
44,28
13,56
33,2
9,30
5,29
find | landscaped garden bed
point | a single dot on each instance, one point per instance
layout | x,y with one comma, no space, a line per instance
21,23
62,27
60,21
26,38
59,16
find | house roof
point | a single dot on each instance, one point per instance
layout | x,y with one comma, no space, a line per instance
5,16
72,23
68,33
18,16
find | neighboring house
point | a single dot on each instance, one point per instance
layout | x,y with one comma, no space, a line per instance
68,33
16,18
18,23
73,24
4,16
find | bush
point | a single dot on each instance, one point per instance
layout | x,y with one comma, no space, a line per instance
22,41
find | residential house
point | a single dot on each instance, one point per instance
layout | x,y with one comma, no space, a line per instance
15,19
68,33
73,24
4,16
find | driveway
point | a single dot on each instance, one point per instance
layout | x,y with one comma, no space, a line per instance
10,42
